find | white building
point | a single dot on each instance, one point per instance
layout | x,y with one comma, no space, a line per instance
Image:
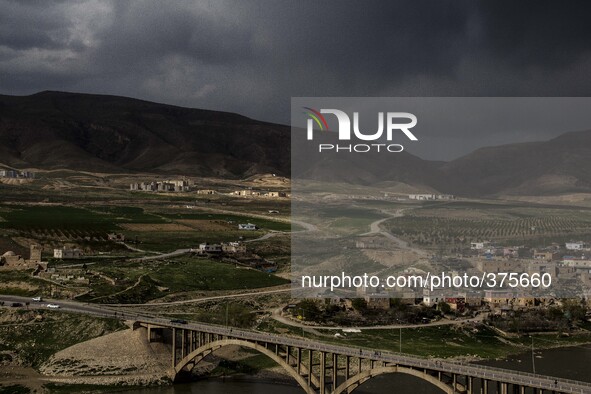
431,298
210,248
580,245
479,245
247,226
67,253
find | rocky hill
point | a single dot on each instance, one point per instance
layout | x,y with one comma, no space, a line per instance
113,134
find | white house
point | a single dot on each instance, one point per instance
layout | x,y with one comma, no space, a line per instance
431,298
210,248
66,253
479,245
580,245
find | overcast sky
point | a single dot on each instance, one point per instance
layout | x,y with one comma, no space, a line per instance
251,57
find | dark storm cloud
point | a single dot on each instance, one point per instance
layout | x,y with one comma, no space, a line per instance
541,34
42,29
251,57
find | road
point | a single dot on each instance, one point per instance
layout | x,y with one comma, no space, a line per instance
68,306
460,368
133,248
178,252
306,227
374,228
266,236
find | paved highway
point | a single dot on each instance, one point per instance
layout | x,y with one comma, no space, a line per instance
178,252
477,371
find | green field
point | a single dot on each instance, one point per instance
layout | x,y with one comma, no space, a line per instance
140,282
202,274
49,217
11,283
125,214
265,224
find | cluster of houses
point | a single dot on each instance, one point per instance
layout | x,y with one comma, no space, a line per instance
183,186
161,186
16,174
247,193
569,263
259,193
496,300
224,247
237,250
116,237
73,276
429,197
569,254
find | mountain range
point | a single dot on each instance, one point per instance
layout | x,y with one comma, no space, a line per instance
52,130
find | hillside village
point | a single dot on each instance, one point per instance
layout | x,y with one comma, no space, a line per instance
569,263
185,186
16,174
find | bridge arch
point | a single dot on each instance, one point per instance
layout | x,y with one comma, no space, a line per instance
199,354
355,381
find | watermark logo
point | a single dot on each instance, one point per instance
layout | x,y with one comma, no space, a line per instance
317,117
394,122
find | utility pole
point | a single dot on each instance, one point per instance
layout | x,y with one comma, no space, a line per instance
400,341
533,359
303,318
226,313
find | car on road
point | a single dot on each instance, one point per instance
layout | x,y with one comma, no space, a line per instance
16,304
53,306
37,299
178,321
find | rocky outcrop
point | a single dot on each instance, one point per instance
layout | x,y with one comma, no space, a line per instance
122,358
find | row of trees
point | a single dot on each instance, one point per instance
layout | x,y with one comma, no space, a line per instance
561,318
338,314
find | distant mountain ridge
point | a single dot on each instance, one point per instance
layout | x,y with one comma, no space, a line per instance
86,132
107,133
559,165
